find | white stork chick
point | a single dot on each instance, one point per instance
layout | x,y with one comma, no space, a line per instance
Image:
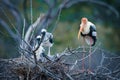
48,42
88,32
40,49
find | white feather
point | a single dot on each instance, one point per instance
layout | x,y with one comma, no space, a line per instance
46,42
89,40
94,33
39,51
38,37
43,30
87,27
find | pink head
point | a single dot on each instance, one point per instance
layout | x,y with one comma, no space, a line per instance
84,20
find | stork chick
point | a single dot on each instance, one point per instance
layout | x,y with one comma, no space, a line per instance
88,32
39,50
46,41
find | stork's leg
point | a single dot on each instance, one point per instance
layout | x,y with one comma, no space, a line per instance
21,56
83,44
90,51
90,59
49,52
83,62
83,55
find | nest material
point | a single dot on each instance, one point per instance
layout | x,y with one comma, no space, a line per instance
104,67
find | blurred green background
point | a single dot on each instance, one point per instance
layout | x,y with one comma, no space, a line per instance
107,21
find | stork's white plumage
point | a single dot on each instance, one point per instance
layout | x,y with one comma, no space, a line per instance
88,32
39,54
40,49
48,42
45,39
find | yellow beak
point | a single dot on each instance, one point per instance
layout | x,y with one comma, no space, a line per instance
79,34
80,30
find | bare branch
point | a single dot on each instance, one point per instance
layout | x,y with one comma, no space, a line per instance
13,35
33,27
69,3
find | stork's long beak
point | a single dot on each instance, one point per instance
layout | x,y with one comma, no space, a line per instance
80,30
79,34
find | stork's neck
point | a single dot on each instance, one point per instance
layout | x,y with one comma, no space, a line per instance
84,24
86,28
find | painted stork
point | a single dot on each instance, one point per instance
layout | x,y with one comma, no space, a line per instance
39,49
88,32
48,41
45,39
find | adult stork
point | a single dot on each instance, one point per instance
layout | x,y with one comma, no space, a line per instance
88,32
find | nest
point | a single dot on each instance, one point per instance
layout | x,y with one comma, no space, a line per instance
67,66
